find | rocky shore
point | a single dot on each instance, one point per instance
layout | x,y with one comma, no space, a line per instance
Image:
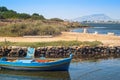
85,52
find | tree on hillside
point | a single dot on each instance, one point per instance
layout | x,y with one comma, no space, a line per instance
9,14
24,16
36,16
1,17
3,9
56,19
5,13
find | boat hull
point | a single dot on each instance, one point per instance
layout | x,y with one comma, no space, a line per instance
61,65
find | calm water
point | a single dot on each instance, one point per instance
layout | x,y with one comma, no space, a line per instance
102,28
87,70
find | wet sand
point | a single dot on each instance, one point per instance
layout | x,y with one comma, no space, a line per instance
69,36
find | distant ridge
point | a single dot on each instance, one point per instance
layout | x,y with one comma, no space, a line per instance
93,17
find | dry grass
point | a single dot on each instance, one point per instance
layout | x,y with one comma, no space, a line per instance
69,36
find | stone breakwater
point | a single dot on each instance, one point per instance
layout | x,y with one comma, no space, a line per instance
61,52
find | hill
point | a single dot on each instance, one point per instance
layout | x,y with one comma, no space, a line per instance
93,17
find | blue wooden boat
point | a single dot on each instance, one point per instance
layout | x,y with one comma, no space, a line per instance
36,64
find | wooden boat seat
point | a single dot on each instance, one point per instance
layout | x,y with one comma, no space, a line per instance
25,61
40,60
12,60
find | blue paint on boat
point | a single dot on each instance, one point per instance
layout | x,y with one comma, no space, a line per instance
31,64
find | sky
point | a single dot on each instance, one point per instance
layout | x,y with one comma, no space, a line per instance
65,9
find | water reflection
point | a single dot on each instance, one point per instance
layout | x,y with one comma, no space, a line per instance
34,75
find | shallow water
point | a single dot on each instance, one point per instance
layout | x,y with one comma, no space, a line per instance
101,70
87,70
101,28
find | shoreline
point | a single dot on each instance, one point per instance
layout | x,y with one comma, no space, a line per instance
106,39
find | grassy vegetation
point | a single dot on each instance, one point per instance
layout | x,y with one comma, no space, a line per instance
36,27
31,28
21,24
55,43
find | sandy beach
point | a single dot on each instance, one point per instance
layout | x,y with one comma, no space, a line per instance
69,36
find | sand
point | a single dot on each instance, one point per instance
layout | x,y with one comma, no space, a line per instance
69,36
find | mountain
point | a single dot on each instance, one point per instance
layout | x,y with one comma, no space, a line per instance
94,17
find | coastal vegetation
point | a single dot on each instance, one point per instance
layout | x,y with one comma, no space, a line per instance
54,43
21,24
